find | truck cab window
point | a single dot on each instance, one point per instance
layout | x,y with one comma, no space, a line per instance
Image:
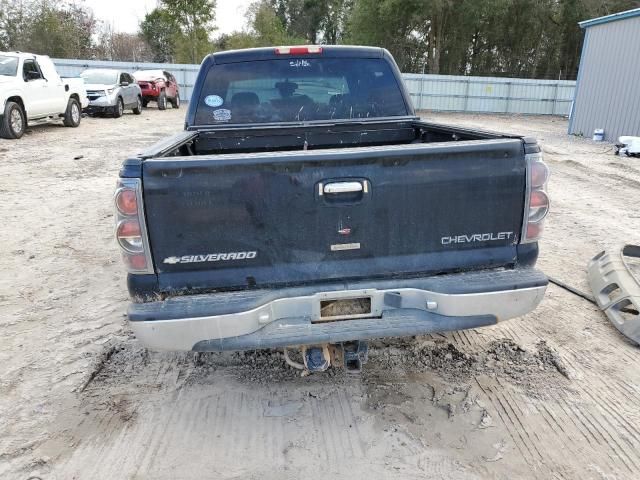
30,71
294,90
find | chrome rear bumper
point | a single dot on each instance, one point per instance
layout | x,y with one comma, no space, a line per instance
274,318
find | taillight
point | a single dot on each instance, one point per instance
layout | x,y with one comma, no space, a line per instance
126,201
302,50
539,173
129,236
131,232
537,200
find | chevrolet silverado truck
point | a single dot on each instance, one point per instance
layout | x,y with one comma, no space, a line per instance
31,90
306,205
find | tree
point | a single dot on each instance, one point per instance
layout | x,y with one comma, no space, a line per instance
312,20
265,29
392,24
268,27
124,47
522,38
58,29
13,21
333,25
159,29
179,30
195,19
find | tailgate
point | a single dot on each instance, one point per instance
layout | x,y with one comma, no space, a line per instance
245,220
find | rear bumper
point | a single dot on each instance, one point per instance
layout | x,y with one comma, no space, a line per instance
258,319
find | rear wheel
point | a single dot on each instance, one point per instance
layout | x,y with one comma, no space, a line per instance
162,101
14,121
72,115
138,108
118,110
176,101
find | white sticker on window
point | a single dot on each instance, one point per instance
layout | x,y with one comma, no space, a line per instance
213,100
222,115
299,63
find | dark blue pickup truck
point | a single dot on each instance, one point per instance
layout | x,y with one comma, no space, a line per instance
305,204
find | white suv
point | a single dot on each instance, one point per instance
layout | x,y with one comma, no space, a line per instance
32,90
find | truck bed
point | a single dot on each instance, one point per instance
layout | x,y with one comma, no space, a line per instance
241,208
312,136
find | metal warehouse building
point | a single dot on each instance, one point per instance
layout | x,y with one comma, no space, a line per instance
607,92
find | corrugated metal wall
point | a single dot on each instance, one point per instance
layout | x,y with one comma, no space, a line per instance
490,94
428,92
608,92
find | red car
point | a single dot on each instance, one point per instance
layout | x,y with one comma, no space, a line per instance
158,86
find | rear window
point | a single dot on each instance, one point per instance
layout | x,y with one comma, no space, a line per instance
299,89
8,65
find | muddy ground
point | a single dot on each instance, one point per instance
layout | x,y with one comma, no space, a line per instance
555,394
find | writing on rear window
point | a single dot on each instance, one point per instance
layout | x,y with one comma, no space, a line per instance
299,63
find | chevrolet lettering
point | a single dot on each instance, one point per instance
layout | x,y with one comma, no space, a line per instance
476,237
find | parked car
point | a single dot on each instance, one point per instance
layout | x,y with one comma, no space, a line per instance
306,204
31,90
111,91
158,86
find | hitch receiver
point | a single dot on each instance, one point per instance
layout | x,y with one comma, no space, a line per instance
355,354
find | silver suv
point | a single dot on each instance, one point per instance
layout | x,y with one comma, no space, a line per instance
111,91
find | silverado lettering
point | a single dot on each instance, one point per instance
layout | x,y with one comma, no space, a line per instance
211,257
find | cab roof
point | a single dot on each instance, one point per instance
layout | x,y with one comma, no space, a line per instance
21,54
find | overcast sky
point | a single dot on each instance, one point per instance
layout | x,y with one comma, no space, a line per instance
125,15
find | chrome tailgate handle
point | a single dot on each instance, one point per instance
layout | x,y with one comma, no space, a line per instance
343,187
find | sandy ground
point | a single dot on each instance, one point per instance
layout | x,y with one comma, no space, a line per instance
554,394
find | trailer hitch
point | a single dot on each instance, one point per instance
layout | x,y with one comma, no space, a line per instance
355,354
318,358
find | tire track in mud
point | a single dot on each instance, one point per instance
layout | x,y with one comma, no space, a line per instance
618,440
545,447
276,428
515,435
543,428
604,400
